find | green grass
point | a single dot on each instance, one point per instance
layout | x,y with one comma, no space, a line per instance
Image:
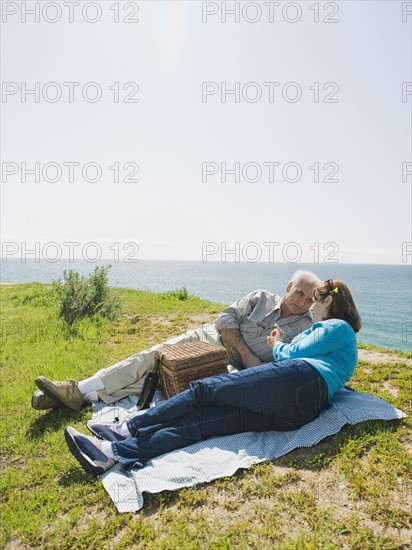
350,491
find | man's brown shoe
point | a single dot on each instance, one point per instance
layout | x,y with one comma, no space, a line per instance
41,401
66,393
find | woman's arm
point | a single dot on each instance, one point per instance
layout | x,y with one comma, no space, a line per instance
323,338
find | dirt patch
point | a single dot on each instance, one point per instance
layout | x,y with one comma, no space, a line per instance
374,356
390,389
193,322
198,320
163,321
17,545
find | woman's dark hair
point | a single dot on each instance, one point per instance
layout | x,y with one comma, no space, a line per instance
342,307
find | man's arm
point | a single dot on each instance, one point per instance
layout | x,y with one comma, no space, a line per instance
228,325
232,316
232,339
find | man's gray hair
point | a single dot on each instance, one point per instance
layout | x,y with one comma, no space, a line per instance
301,276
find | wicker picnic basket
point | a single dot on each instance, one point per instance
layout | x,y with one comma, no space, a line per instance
180,364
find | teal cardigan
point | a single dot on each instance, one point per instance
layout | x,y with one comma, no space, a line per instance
329,346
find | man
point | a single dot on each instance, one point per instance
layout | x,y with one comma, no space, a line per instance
241,328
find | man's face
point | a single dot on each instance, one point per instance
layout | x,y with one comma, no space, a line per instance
298,298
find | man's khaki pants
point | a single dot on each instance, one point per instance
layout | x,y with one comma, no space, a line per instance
127,377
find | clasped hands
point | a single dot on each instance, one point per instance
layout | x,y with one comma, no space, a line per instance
275,336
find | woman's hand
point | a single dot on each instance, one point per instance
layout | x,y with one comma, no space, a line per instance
275,336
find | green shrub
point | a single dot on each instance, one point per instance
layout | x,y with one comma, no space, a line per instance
181,293
105,301
79,296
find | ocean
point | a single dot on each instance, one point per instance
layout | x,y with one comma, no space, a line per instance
383,293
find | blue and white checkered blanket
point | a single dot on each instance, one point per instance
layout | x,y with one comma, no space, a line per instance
223,456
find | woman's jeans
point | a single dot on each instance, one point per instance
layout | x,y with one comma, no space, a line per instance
278,396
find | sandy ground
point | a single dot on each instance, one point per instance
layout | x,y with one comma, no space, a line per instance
374,356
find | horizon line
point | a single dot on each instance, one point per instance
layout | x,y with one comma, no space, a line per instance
211,261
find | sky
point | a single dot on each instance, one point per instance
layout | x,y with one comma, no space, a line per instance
213,131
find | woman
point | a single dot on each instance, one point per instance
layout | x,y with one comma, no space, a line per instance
283,395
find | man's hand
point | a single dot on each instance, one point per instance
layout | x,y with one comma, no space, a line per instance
275,336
